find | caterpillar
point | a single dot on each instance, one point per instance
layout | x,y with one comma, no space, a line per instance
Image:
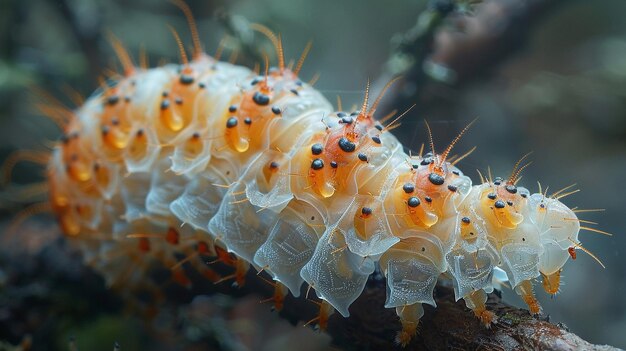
208,158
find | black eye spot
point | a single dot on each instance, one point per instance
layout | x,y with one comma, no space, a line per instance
471,233
497,181
346,145
499,204
195,135
452,188
362,157
105,130
312,218
255,81
294,92
247,121
523,195
426,161
423,249
186,79
276,110
317,164
523,239
465,220
428,199
178,101
408,188
366,211
347,120
232,108
436,179
510,203
333,164
201,85
542,206
260,99
274,165
511,189
231,122
413,201
317,149
492,196
376,139
379,127
113,99
165,93
165,104
456,172
341,114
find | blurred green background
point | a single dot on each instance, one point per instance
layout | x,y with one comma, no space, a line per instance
554,83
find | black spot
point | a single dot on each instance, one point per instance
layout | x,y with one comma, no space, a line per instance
186,79
255,81
436,179
497,181
379,127
299,83
523,195
362,157
428,199
201,85
423,249
165,93
510,203
317,164
139,133
376,139
413,201
465,220
317,149
247,120
231,122
366,211
415,166
492,196
355,113
105,130
196,135
113,99
261,99
178,101
523,239
456,172
499,204
452,188
426,161
65,139
341,114
274,165
276,110
408,188
511,188
346,145
333,164
294,92
115,121
232,108
347,120
165,104
127,98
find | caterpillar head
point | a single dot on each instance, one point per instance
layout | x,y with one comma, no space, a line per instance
558,233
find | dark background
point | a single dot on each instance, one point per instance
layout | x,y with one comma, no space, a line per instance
554,85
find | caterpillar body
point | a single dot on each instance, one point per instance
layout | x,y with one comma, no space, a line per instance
208,156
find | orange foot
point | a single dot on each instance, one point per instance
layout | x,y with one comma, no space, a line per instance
404,336
487,318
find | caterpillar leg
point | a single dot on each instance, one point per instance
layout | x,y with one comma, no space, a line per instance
410,318
552,282
525,290
278,298
476,302
326,310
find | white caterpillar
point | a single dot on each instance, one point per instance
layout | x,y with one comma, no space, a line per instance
262,167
